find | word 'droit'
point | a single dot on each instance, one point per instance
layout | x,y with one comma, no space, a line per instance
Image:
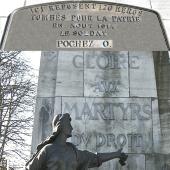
130,140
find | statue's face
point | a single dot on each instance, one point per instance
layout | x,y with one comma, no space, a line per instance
67,128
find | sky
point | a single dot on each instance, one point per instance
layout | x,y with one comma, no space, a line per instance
6,9
34,57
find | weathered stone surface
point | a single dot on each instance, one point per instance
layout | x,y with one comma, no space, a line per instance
57,106
157,162
162,6
69,74
142,75
104,124
165,125
162,69
156,127
47,75
153,162
123,27
43,119
134,162
74,106
106,74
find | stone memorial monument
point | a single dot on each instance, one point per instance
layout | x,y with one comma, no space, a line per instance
116,100
84,25
97,65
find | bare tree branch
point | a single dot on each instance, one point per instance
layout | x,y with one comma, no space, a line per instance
16,97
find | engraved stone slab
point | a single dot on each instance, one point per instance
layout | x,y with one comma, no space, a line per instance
106,74
157,162
84,25
45,108
47,75
69,76
156,126
142,74
104,124
57,105
165,125
134,162
162,69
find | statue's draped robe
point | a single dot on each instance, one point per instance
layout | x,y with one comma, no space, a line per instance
54,157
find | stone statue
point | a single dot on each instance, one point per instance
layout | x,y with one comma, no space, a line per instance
57,154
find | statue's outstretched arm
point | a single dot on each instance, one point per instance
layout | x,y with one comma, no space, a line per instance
103,157
95,160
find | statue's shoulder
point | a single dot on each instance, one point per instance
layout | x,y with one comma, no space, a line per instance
46,147
74,148
71,145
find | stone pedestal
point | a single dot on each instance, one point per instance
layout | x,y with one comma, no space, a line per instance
113,101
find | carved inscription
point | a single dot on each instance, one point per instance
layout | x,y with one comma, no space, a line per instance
108,111
100,21
75,24
111,123
86,6
132,141
106,74
102,73
107,87
105,62
84,43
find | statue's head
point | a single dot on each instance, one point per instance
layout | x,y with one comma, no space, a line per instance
62,124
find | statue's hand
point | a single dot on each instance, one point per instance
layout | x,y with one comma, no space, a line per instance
119,152
122,156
